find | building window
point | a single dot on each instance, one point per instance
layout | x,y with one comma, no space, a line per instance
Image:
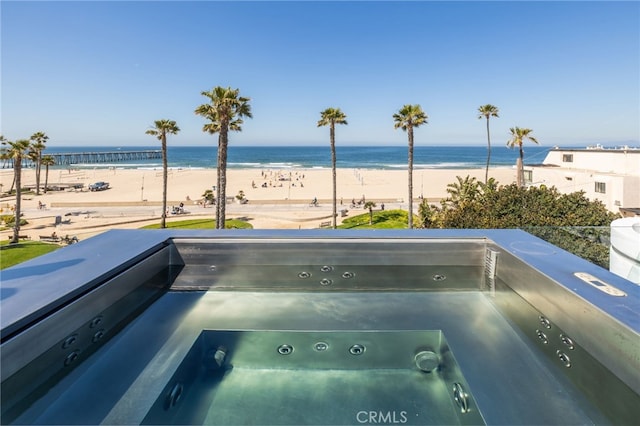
567,158
528,176
601,187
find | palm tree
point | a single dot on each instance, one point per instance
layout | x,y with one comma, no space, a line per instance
463,191
16,151
4,158
407,118
487,111
47,161
39,140
518,135
224,112
330,117
162,127
428,214
4,155
370,205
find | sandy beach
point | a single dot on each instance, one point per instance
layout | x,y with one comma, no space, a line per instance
277,198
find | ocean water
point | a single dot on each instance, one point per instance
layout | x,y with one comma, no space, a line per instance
284,157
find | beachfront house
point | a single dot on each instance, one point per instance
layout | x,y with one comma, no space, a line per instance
611,175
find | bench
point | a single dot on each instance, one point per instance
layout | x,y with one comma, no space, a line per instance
325,224
49,239
21,237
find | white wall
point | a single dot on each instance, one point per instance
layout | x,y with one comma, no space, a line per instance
619,170
620,191
600,160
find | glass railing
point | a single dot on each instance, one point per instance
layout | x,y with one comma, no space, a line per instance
591,243
615,247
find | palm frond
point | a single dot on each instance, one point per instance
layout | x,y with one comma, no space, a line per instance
332,116
410,116
488,110
225,106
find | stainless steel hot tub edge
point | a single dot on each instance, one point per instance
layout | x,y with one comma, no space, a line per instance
76,326
593,337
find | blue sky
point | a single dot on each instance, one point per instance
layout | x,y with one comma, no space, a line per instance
100,73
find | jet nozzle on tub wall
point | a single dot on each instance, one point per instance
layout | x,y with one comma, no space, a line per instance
314,327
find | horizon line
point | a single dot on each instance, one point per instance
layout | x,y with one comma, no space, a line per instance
576,144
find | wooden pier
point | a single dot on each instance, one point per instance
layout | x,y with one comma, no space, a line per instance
71,158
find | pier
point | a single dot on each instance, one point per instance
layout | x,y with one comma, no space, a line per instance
71,158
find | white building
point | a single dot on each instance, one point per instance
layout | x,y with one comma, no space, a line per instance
611,175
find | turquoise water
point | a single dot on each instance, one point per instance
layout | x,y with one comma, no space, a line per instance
282,157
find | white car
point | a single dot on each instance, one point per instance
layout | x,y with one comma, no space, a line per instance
99,186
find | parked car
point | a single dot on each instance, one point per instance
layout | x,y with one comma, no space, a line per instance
99,186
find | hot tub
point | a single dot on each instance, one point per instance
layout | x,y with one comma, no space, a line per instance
318,327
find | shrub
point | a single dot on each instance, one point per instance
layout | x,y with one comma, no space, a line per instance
570,221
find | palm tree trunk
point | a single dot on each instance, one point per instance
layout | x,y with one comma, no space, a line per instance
410,221
333,170
222,189
520,177
18,180
218,180
163,221
38,169
46,178
486,173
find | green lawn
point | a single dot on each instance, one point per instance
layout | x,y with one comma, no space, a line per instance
12,254
388,219
382,219
16,253
207,223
